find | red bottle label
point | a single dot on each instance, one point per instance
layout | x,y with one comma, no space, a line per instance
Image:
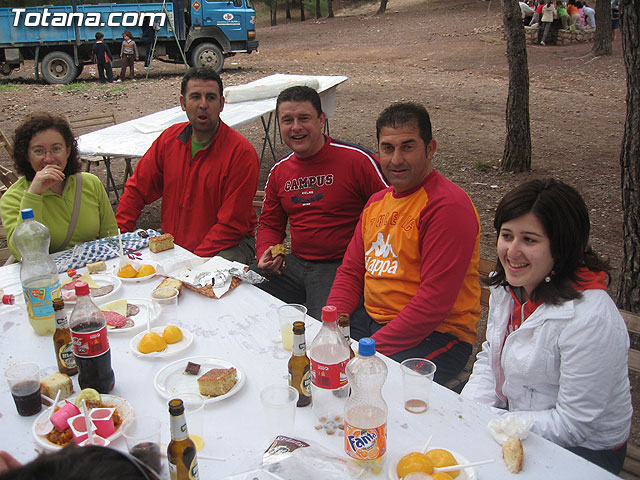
90,344
329,376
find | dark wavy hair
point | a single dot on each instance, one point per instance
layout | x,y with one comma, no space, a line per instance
565,219
200,73
406,113
300,93
36,123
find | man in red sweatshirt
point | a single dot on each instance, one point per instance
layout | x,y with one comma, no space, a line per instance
205,172
319,189
414,254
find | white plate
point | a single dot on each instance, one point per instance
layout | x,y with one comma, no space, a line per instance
124,408
465,474
101,280
172,380
140,319
136,264
172,348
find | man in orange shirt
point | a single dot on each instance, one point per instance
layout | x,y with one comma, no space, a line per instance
414,254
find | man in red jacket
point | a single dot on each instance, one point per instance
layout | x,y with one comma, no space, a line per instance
319,189
205,172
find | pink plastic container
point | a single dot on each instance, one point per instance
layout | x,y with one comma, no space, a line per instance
102,418
79,429
97,440
60,417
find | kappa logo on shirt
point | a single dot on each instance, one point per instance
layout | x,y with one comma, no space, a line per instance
380,257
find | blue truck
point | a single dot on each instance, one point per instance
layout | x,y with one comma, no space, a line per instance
60,38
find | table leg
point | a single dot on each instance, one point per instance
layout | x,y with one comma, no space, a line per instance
267,138
111,183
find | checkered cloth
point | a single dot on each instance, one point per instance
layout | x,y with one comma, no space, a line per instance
103,249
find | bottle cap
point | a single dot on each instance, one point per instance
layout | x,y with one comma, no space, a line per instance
329,313
27,213
366,347
82,288
8,299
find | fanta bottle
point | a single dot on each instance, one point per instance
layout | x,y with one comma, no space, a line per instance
365,413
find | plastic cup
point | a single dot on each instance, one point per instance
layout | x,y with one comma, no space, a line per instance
417,380
287,314
194,413
279,404
24,383
142,436
165,300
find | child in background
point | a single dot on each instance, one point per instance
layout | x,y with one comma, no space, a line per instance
562,14
128,54
549,12
102,58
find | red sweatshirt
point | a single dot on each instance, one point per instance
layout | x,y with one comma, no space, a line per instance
206,200
415,256
321,196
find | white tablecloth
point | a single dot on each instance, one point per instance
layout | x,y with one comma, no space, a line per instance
240,328
133,138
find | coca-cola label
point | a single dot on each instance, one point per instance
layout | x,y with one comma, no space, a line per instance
329,376
90,344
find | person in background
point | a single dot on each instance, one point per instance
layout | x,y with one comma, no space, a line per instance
615,18
589,15
147,39
319,189
128,54
549,12
414,254
527,13
572,10
46,153
102,58
206,174
556,346
562,14
537,14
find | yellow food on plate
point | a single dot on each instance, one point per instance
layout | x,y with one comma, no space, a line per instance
443,458
442,476
127,271
414,462
152,342
146,270
172,334
88,395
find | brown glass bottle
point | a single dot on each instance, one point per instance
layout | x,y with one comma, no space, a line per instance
62,340
181,452
344,324
299,372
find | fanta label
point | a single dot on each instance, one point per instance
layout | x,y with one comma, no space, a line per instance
365,443
329,376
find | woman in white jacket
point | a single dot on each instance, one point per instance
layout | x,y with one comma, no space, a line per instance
556,344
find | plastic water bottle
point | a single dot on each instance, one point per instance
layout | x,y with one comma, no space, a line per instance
329,355
38,273
365,414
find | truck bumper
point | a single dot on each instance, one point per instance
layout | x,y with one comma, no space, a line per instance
252,45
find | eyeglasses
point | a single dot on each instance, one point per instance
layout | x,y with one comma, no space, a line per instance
42,152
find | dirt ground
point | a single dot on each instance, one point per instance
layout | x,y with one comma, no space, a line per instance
446,54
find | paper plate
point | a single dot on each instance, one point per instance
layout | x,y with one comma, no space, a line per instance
140,319
172,348
124,409
136,264
172,380
465,474
101,280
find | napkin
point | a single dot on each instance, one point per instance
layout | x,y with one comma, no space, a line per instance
102,249
510,426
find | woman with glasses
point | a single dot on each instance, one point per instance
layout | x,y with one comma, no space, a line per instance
74,206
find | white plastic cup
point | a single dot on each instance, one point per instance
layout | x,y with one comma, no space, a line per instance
417,380
287,314
165,300
142,436
279,405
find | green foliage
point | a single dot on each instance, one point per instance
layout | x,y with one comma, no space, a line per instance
9,87
74,87
482,166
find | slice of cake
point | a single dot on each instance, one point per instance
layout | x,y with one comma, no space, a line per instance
217,381
161,243
50,385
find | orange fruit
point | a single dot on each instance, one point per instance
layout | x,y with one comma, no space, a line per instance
172,334
414,462
443,458
127,271
152,342
442,475
146,270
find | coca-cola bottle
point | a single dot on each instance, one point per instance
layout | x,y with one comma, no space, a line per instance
90,343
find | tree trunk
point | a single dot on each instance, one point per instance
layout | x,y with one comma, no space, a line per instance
629,291
302,19
383,7
287,10
318,12
330,9
517,146
274,11
602,40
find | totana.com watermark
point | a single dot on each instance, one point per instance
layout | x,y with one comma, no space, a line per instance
45,18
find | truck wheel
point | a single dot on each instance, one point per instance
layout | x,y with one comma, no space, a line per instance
208,55
58,67
79,68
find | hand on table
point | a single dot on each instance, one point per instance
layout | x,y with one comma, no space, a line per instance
46,178
273,265
7,462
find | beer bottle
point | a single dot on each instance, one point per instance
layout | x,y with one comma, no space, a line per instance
62,340
181,452
345,328
299,373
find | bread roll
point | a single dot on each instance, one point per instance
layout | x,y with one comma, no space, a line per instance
170,283
513,454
